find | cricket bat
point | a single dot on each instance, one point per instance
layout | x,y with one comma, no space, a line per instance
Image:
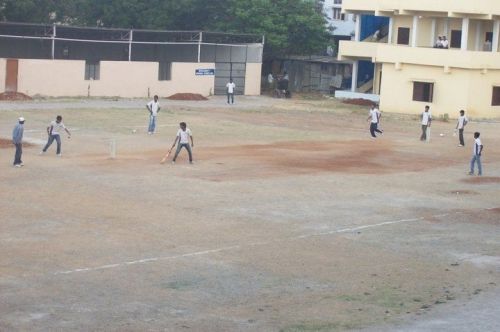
428,135
166,156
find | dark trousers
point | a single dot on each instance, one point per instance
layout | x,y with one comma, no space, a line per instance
374,129
461,136
51,140
188,148
423,137
19,153
230,96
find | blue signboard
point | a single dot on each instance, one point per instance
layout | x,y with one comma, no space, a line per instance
205,72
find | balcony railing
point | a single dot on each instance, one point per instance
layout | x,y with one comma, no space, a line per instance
451,7
388,53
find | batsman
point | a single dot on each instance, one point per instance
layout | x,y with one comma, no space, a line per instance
182,140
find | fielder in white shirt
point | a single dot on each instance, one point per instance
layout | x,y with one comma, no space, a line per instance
426,122
476,157
374,118
230,91
461,123
154,108
183,136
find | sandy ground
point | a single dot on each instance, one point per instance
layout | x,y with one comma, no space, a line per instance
291,219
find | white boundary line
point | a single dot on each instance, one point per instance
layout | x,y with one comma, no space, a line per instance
236,247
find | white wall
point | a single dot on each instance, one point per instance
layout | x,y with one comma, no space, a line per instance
59,78
342,28
253,79
3,70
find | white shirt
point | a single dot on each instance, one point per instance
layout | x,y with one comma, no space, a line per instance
184,136
375,114
230,87
477,145
57,128
462,121
154,107
270,78
426,118
445,43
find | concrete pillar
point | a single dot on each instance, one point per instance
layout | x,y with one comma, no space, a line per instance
357,28
391,28
465,34
414,32
130,39
479,33
445,29
354,83
433,32
54,27
496,34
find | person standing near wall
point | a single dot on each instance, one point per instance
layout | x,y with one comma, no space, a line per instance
54,132
426,118
374,118
461,123
154,108
476,157
230,91
17,140
270,81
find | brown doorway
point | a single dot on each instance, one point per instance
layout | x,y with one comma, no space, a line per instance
456,39
11,76
404,36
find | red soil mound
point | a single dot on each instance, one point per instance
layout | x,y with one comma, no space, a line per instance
7,143
187,96
359,101
482,180
14,96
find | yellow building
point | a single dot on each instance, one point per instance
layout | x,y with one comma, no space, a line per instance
411,72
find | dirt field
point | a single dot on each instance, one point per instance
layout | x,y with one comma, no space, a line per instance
290,219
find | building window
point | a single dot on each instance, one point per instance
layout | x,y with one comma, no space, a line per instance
337,14
404,36
495,101
165,71
423,91
92,70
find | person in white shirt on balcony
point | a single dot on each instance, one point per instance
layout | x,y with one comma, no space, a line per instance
445,42
439,42
487,46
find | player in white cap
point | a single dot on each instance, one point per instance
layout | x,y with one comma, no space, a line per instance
17,140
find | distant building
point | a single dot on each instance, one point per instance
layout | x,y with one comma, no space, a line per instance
340,24
411,72
322,73
54,60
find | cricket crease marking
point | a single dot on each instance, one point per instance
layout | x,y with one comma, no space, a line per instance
256,244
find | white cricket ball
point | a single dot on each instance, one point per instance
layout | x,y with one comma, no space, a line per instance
441,135
134,131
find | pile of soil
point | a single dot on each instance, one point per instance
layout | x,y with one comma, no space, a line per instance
187,96
7,144
4,143
358,101
12,96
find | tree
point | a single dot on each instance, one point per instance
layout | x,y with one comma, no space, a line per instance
289,26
